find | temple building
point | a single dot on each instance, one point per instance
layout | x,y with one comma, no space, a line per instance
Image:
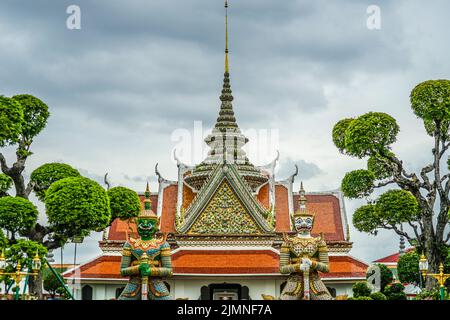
225,220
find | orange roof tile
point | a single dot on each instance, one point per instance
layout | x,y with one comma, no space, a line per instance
393,258
225,261
282,218
100,268
169,208
220,262
328,215
263,196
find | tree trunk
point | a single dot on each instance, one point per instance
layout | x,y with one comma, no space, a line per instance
35,285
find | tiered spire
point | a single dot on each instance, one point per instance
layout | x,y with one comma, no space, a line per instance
147,212
302,211
226,139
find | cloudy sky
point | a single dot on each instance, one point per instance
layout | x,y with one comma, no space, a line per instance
139,72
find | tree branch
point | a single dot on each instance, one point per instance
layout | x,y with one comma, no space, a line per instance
444,148
383,184
398,231
427,184
5,169
29,188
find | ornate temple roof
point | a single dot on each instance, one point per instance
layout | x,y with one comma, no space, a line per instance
327,205
226,216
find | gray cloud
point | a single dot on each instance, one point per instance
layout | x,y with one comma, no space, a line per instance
137,71
306,170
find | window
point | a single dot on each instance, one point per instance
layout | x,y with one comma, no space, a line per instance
119,292
332,291
167,285
86,292
282,286
224,291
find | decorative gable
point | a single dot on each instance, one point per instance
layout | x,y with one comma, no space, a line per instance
225,214
225,205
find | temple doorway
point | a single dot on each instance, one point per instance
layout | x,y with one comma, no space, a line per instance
224,291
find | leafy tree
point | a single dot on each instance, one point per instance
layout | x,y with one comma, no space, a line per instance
124,203
361,289
52,284
408,268
24,251
75,206
45,175
17,215
423,198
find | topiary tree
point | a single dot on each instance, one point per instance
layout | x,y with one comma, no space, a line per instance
124,203
22,118
45,175
395,291
17,215
408,268
5,184
378,296
75,206
361,289
423,198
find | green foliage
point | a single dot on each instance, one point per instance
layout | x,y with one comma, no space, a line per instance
378,296
428,295
369,134
430,100
35,115
24,251
408,268
45,175
339,133
3,240
11,119
5,184
366,219
124,203
397,206
361,289
52,284
358,184
361,298
17,214
76,206
395,292
386,276
380,166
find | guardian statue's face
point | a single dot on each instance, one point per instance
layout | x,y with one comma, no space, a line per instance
147,228
303,224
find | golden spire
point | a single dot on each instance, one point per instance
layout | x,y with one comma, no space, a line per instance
226,37
146,212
